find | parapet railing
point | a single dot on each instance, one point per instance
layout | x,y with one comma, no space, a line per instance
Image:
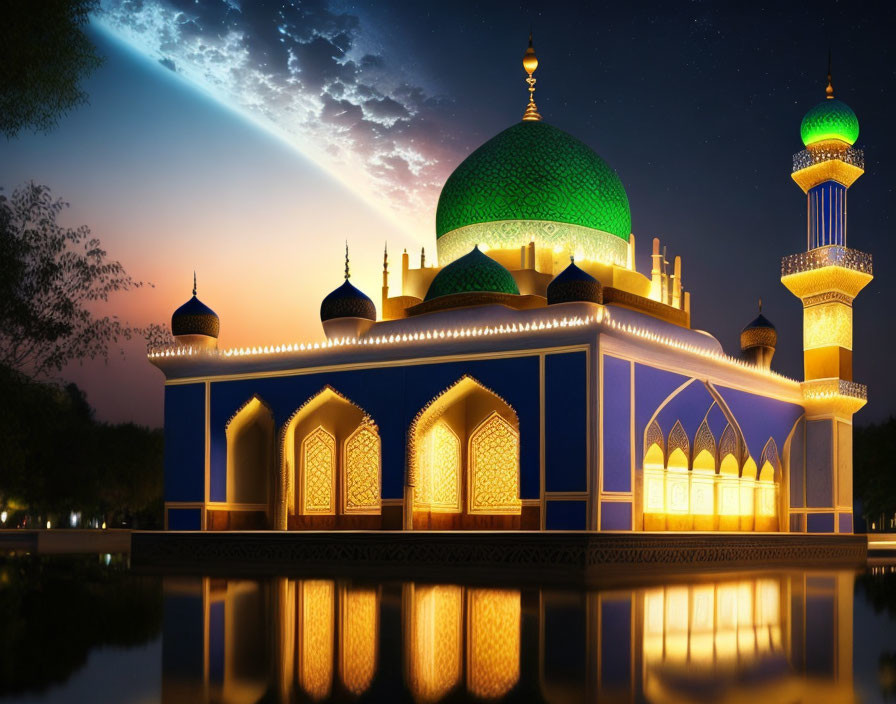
829,255
819,155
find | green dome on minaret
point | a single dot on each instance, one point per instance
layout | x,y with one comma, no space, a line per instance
830,119
472,273
533,171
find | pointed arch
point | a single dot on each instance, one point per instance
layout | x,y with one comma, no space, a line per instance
494,473
328,441
249,435
704,449
654,446
679,447
729,463
769,462
440,469
463,457
318,473
361,470
434,410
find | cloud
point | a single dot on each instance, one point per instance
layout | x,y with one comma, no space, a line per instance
300,70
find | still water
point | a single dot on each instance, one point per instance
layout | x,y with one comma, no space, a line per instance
76,629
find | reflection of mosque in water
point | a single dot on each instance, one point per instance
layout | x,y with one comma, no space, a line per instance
781,638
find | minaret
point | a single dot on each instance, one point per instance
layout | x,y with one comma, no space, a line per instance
826,278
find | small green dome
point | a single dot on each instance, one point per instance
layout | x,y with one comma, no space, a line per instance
472,273
533,171
830,119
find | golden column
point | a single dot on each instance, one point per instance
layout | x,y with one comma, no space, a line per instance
826,278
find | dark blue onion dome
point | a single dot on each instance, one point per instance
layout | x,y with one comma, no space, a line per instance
347,302
195,318
572,284
759,333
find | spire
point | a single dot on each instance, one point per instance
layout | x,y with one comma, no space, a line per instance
530,63
386,257
347,275
829,91
194,282
760,305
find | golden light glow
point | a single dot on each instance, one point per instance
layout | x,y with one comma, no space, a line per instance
359,635
826,325
316,632
493,651
438,486
676,497
436,641
831,170
318,472
361,471
495,467
699,629
250,440
813,282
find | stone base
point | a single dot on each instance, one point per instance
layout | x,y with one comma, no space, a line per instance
527,557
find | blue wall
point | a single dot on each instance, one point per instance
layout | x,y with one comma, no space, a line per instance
185,442
565,422
394,395
617,425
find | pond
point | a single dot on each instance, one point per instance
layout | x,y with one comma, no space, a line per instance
90,629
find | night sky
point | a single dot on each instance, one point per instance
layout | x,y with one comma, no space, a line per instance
250,143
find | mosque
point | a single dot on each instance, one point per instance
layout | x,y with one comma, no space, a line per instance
531,378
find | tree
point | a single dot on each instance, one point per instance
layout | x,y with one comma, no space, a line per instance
50,277
44,55
875,480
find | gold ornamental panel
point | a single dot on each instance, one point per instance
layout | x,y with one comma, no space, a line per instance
361,471
318,472
495,468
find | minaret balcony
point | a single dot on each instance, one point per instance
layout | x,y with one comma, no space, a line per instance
838,396
830,269
828,161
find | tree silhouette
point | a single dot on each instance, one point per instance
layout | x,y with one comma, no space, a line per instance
50,277
44,55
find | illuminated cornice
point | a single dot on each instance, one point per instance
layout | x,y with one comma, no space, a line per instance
601,319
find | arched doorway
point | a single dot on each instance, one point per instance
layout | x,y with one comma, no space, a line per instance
329,466
250,460
463,461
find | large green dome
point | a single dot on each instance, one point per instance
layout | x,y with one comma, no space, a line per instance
534,181
472,273
830,119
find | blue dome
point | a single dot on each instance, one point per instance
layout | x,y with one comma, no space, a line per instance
573,284
347,302
195,318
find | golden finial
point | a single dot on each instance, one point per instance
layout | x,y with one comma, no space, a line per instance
530,63
194,282
760,306
346,261
829,91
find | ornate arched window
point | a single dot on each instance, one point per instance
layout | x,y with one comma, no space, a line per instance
494,476
440,470
318,473
361,470
704,449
